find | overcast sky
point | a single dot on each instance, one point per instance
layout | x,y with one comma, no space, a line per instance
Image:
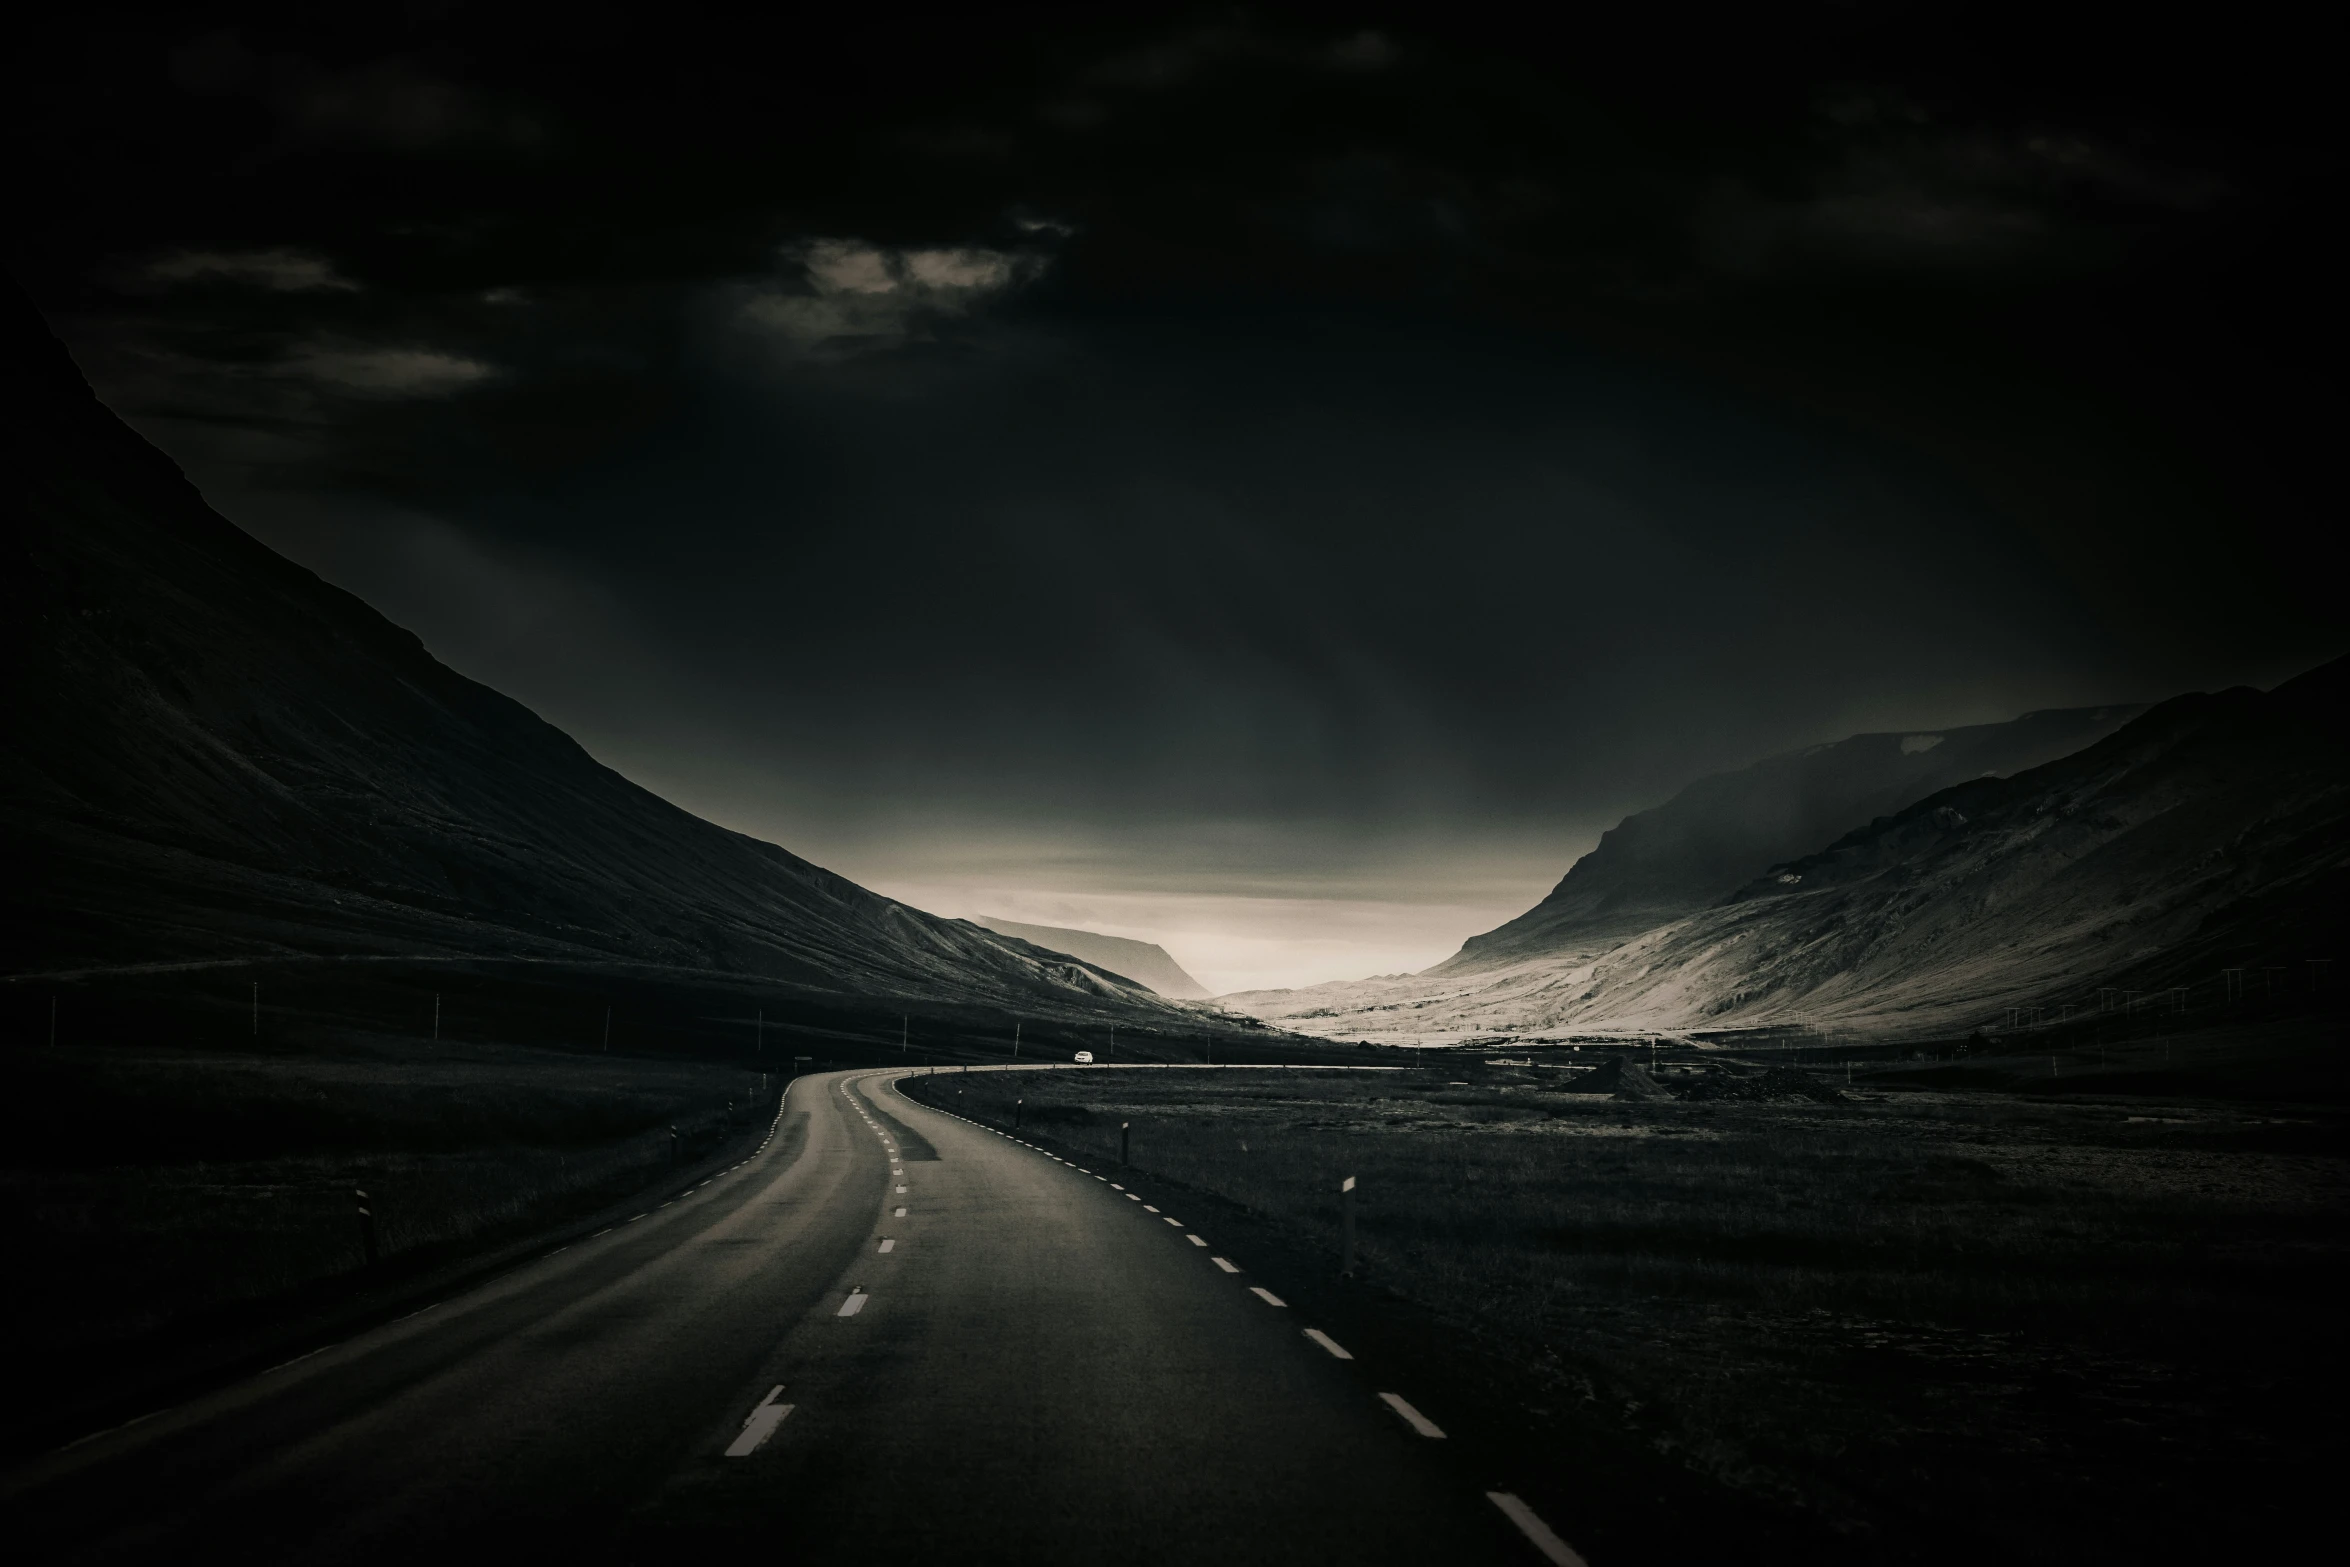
1273,482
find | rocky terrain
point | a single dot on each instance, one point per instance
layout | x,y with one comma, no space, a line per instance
215,755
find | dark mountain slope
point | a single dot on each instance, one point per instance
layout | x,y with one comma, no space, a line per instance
212,753
1722,830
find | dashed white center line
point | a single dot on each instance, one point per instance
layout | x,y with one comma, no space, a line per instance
1328,1343
889,1245
1178,1223
1195,1240
1130,1197
901,1191
1147,1208
900,1213
1221,1263
1266,1295
1412,1417
759,1425
1538,1534
1114,1186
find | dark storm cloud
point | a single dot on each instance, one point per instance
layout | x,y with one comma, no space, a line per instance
1222,453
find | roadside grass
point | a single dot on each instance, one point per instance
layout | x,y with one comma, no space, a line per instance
145,1189
2074,1327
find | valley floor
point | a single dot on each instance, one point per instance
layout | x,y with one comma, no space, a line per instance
1931,1323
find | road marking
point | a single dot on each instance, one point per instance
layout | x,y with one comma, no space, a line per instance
1130,1197
1412,1417
558,1251
1221,1263
1271,1299
1178,1223
901,1213
632,1220
1147,1208
1088,1172
901,1191
1114,1186
606,1230
889,1245
1328,1343
1554,1550
1195,1240
759,1425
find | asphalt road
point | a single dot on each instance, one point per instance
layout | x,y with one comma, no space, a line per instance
889,1330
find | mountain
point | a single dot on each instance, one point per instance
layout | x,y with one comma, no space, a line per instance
1722,830
1137,960
2210,832
214,754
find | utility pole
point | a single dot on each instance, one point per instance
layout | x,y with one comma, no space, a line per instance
1015,1040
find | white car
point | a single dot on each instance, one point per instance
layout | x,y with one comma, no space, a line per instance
1085,1058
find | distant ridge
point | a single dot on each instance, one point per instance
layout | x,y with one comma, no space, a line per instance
1721,831
2209,834
1137,960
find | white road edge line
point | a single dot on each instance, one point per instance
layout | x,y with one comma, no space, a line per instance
1554,1550
759,1425
1225,1265
1412,1417
1328,1343
1271,1299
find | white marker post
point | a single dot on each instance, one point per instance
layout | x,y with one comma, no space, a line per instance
1346,1203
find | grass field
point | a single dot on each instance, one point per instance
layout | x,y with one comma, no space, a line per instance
2068,1328
148,1189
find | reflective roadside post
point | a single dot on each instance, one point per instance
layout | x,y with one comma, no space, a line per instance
1016,1104
366,1223
1125,1136
1346,1204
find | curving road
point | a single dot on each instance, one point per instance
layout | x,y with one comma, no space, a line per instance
888,1330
